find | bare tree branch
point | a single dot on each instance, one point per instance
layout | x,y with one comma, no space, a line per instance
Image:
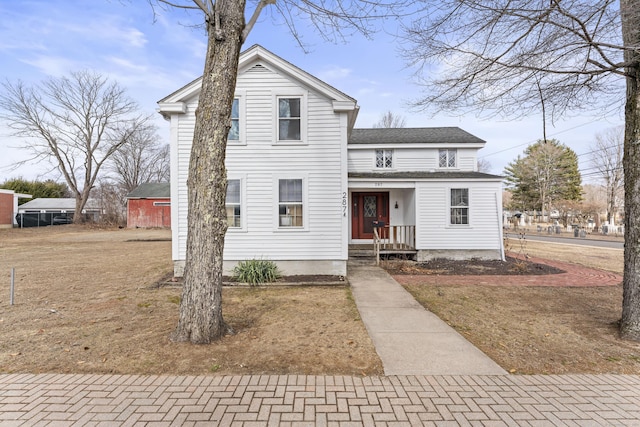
390,120
606,159
489,54
75,120
256,13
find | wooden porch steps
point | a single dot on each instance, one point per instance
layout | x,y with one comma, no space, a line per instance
367,252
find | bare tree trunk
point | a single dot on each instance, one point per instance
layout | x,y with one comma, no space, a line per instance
612,202
630,323
81,202
201,318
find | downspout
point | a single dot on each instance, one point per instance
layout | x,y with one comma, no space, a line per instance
500,233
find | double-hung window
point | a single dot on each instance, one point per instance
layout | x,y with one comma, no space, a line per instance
290,203
384,159
233,204
447,158
459,207
289,119
234,132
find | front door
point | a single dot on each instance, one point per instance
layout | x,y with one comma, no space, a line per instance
367,208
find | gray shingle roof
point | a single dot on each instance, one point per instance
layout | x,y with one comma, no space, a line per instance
413,136
151,190
425,175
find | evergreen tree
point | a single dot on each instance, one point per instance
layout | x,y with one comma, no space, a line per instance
547,173
38,189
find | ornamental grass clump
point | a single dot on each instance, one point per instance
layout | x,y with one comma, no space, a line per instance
256,271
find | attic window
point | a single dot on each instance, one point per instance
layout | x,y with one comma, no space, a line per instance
447,158
384,159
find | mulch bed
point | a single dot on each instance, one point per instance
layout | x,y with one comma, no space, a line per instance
474,267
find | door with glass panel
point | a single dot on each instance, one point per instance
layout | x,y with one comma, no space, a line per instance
367,208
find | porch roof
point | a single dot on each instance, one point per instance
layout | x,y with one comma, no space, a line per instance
425,175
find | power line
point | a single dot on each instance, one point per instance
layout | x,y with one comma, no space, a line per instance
531,142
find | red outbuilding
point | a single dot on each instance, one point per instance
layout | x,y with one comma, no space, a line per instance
149,206
9,207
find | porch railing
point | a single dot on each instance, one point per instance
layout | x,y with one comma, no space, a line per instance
393,239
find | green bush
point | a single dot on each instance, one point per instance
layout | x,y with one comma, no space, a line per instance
256,271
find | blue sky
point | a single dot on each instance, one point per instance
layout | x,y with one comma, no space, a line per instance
151,58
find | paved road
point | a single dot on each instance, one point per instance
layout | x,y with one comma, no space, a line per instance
571,240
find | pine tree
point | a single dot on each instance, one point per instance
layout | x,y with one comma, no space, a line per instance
547,173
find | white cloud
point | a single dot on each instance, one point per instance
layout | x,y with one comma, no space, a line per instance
135,37
128,64
55,65
333,73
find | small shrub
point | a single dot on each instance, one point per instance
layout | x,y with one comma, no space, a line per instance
520,266
256,271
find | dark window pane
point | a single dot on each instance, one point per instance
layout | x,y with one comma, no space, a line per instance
290,190
289,130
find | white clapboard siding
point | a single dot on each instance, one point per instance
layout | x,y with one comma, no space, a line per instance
361,160
260,162
409,159
433,230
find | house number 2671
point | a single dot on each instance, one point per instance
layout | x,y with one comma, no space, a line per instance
344,203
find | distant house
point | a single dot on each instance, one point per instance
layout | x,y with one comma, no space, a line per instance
54,211
304,184
9,207
149,205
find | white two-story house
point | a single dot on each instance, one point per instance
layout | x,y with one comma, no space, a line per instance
304,184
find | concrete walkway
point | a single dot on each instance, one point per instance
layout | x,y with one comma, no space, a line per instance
409,339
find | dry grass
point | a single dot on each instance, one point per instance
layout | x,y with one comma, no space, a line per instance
542,330
590,256
86,302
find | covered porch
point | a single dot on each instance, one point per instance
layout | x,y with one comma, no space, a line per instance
382,219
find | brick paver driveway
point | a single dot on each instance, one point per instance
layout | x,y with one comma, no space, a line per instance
573,400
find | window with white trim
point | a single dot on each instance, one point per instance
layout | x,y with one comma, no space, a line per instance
290,203
384,159
289,119
234,132
459,207
234,204
447,158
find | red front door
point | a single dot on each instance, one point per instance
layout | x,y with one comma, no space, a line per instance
367,208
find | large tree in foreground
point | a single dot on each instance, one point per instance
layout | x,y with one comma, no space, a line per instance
77,123
503,56
547,173
200,319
